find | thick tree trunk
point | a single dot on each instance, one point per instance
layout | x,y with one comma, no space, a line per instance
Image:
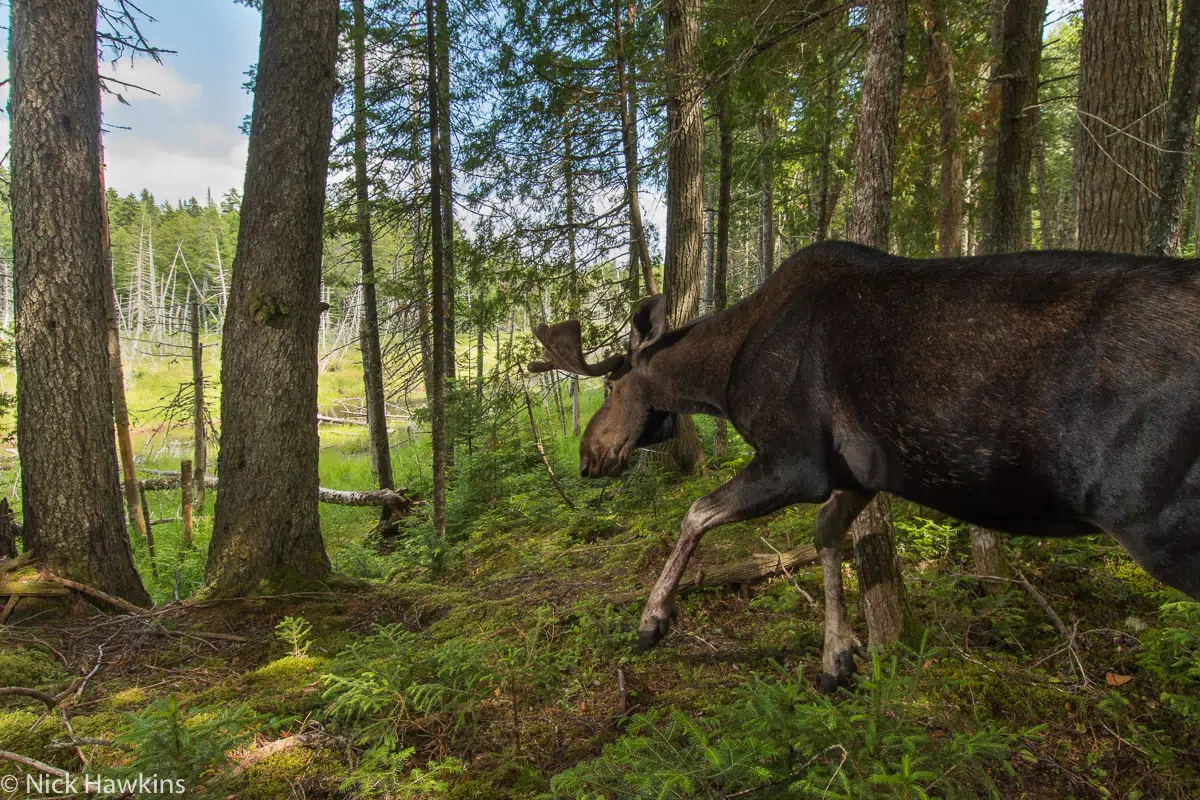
368,339
437,390
64,398
724,203
267,527
446,170
1174,163
878,121
874,165
1020,68
639,251
683,268
950,215
572,250
1122,95
766,194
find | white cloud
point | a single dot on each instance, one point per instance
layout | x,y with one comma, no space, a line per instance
178,169
164,83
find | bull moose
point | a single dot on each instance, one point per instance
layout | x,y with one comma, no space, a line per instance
1044,393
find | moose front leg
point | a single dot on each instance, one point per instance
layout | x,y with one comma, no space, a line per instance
833,520
757,490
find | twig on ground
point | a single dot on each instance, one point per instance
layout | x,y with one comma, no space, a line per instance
783,567
35,764
116,602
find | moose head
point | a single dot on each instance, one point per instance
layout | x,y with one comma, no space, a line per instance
627,420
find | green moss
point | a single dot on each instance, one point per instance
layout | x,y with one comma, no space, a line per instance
277,775
126,699
29,733
28,668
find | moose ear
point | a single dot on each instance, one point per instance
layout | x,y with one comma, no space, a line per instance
649,322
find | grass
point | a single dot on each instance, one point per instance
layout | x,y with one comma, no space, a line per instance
488,666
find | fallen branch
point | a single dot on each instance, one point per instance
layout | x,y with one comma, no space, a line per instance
20,691
117,602
340,420
756,568
31,589
35,764
11,564
396,499
542,452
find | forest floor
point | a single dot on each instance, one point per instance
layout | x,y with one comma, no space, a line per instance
496,665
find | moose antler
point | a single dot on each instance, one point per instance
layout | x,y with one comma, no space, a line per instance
563,345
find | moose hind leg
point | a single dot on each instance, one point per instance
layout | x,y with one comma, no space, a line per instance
841,645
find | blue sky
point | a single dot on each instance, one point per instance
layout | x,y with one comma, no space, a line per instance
186,140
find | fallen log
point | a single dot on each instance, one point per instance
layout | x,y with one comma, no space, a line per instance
31,589
756,568
397,498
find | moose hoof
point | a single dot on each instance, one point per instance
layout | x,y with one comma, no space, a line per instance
649,637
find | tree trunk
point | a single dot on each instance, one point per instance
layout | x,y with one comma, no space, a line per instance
879,573
878,121
1173,161
950,215
446,170
1020,68
267,526
721,269
987,551
116,370
368,339
874,165
827,192
436,392
1122,93
199,437
572,250
639,252
64,398
684,265
1046,213
766,195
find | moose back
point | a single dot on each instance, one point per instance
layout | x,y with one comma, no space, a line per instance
1046,393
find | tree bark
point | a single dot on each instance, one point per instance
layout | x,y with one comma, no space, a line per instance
64,398
766,196
639,253
116,370
987,551
724,204
1122,93
1174,163
446,170
199,434
267,526
1020,68
436,392
368,339
878,122
950,215
683,268
874,161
